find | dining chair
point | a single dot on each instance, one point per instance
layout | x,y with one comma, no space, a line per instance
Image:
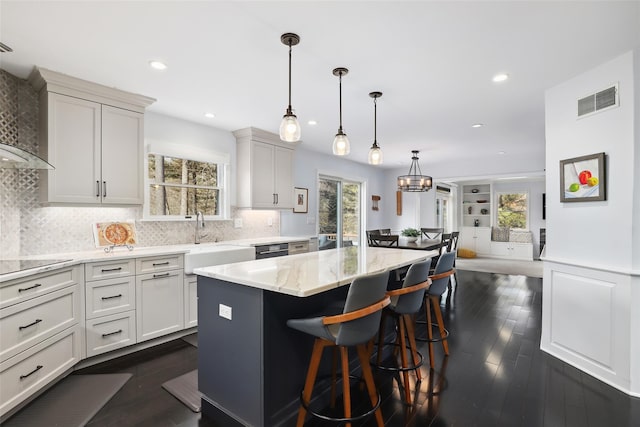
355,327
385,241
432,233
445,242
371,233
385,231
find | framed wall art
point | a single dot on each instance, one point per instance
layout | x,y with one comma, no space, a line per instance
300,200
583,179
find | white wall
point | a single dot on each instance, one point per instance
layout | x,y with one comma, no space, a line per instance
305,175
591,292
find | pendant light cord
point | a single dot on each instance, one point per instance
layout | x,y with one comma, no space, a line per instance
289,109
340,80
375,121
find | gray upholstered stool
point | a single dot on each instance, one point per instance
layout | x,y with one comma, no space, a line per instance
356,326
405,303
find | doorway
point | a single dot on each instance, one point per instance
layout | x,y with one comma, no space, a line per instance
339,212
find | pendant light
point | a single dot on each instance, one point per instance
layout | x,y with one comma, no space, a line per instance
414,181
341,142
289,127
375,153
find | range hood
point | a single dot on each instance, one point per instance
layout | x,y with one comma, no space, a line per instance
15,158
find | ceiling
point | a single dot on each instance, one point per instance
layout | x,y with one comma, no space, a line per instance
433,61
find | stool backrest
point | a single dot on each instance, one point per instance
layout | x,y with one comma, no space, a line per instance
411,303
363,292
445,264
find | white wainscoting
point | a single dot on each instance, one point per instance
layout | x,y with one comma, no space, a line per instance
586,321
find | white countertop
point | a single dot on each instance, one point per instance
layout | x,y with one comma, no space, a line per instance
97,255
314,272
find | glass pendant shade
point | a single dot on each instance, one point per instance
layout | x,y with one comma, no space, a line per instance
414,181
375,155
341,146
289,128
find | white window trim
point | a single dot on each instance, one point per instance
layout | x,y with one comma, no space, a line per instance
496,204
190,153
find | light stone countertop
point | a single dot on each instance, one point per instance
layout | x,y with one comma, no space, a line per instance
311,273
97,255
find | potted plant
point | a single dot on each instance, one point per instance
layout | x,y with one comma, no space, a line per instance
411,234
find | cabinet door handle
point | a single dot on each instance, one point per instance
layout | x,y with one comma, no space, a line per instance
277,199
160,275
106,270
119,331
37,285
30,324
112,297
155,264
104,188
32,372
97,188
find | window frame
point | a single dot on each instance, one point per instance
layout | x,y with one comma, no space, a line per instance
222,160
497,207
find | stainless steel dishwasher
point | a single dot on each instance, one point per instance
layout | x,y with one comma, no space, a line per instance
272,251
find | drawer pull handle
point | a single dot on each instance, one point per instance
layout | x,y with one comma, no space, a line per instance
31,373
30,324
155,264
160,275
106,270
112,297
119,331
37,285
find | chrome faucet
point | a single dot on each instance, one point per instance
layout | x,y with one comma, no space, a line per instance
199,224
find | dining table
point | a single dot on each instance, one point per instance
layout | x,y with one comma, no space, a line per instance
421,244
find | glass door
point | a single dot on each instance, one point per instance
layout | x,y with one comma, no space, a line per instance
444,217
339,212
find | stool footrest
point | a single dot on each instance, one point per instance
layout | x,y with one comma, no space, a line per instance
433,326
396,368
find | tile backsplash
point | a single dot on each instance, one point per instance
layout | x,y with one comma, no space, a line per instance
27,228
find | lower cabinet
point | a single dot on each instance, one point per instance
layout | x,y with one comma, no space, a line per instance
110,332
512,250
190,301
478,239
159,304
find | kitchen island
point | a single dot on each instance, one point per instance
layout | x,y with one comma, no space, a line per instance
251,366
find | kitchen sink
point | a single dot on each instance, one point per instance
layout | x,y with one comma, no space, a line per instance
206,256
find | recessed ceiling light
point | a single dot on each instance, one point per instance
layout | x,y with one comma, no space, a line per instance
500,77
209,115
477,125
502,153
157,65
312,122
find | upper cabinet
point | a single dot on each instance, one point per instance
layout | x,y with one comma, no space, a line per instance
93,135
265,170
476,205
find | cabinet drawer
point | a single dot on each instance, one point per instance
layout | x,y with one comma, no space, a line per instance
110,296
159,263
109,269
298,247
23,375
19,290
24,325
111,332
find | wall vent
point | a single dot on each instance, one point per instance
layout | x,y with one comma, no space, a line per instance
4,48
598,101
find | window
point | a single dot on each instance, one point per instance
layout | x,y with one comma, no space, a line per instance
178,187
513,209
339,210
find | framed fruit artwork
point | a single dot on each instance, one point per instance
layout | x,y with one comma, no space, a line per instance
583,179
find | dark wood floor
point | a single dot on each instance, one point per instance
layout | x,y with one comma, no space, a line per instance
495,376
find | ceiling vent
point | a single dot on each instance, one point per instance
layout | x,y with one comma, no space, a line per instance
598,101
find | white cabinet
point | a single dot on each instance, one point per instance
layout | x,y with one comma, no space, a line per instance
265,170
41,320
476,205
513,250
93,136
159,297
190,301
478,239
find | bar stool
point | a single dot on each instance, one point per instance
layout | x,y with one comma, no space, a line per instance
356,326
405,303
439,282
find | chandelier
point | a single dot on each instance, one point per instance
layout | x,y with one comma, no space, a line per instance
414,181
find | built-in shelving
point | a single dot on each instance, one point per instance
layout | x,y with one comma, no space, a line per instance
477,206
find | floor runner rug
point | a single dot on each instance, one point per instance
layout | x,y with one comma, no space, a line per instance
185,389
70,403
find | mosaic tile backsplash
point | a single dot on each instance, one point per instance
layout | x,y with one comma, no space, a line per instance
27,228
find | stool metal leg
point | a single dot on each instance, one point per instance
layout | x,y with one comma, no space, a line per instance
364,355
